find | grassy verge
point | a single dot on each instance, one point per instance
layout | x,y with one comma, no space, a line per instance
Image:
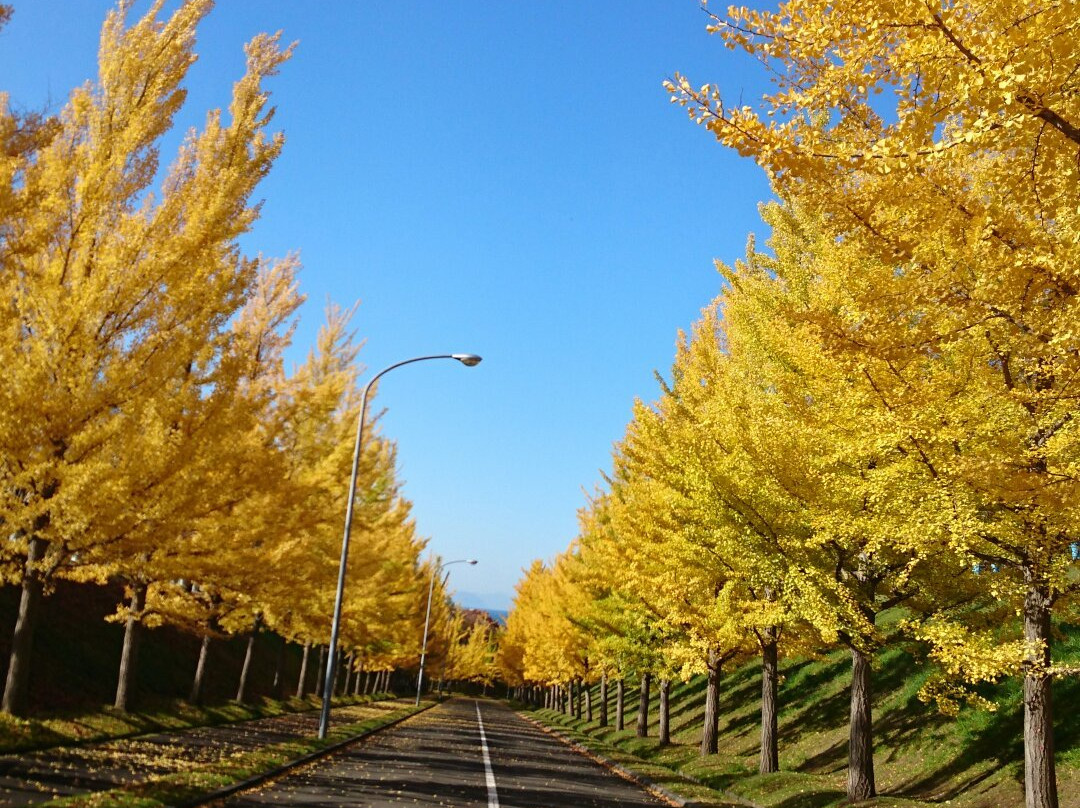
666,777
106,724
195,782
712,781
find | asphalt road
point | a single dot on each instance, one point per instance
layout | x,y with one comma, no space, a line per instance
464,753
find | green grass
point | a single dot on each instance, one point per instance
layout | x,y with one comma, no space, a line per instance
921,756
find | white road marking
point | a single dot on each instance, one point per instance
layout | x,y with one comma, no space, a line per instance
493,796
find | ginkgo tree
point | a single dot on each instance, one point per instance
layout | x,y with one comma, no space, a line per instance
115,296
941,142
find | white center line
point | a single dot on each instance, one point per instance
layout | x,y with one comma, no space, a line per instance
493,796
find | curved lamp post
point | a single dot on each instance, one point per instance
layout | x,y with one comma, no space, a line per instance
469,360
427,620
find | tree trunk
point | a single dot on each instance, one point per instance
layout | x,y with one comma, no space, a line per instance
301,682
1040,777
18,675
358,684
578,699
369,683
130,651
320,678
643,707
620,704
339,663
348,675
200,672
710,734
603,700
241,690
278,687
861,746
588,703
665,724
770,756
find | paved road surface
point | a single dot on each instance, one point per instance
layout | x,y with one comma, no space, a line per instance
438,758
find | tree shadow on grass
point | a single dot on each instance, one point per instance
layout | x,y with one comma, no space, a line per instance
817,716
992,742
816,799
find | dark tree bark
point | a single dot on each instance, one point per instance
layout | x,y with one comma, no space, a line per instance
710,733
603,700
643,707
241,689
861,747
339,663
588,703
770,678
347,675
665,713
1040,776
33,587
320,676
278,687
130,651
301,681
620,704
578,699
200,672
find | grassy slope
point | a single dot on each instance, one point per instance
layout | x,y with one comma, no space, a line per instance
974,761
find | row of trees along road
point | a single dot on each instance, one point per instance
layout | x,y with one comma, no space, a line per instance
878,412
149,433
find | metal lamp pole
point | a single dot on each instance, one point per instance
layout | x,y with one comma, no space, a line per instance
469,360
427,620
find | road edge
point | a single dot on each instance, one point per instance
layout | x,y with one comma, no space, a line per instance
634,777
311,757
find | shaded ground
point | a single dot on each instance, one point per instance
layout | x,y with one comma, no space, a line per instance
33,778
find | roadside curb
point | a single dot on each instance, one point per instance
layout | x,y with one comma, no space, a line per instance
303,760
618,768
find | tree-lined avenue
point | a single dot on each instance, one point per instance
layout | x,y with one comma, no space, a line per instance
437,758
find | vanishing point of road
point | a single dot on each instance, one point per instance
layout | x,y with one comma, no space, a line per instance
465,753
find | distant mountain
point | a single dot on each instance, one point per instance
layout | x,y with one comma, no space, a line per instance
487,601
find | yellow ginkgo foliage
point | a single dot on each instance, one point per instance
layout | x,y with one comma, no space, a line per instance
115,297
940,141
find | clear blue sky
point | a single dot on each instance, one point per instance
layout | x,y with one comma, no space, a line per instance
501,178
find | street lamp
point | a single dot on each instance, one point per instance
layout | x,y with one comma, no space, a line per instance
468,360
427,620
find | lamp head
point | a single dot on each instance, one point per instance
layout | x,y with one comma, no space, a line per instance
471,561
468,360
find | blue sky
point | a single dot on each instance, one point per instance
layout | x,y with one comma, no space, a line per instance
501,178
